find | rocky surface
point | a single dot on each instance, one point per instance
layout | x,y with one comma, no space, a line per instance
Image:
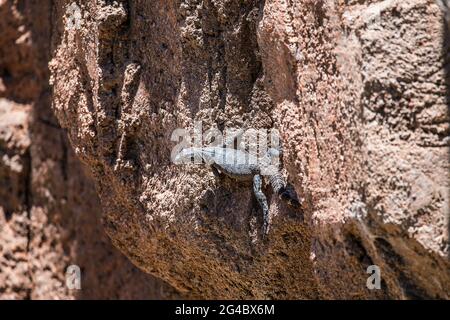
357,89
362,101
49,210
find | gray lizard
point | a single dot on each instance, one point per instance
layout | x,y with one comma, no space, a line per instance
242,166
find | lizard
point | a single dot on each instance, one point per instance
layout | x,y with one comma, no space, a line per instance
242,166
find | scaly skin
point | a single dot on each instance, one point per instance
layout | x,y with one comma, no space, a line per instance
242,166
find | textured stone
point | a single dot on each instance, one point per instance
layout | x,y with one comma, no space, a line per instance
359,93
49,211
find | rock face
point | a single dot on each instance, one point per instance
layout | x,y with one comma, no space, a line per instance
361,93
357,89
49,210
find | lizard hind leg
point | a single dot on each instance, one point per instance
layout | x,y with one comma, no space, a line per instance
217,173
284,190
262,200
289,195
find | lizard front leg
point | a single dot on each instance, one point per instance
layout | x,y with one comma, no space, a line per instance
262,200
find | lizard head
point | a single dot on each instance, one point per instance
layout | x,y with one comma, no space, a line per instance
185,156
194,156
